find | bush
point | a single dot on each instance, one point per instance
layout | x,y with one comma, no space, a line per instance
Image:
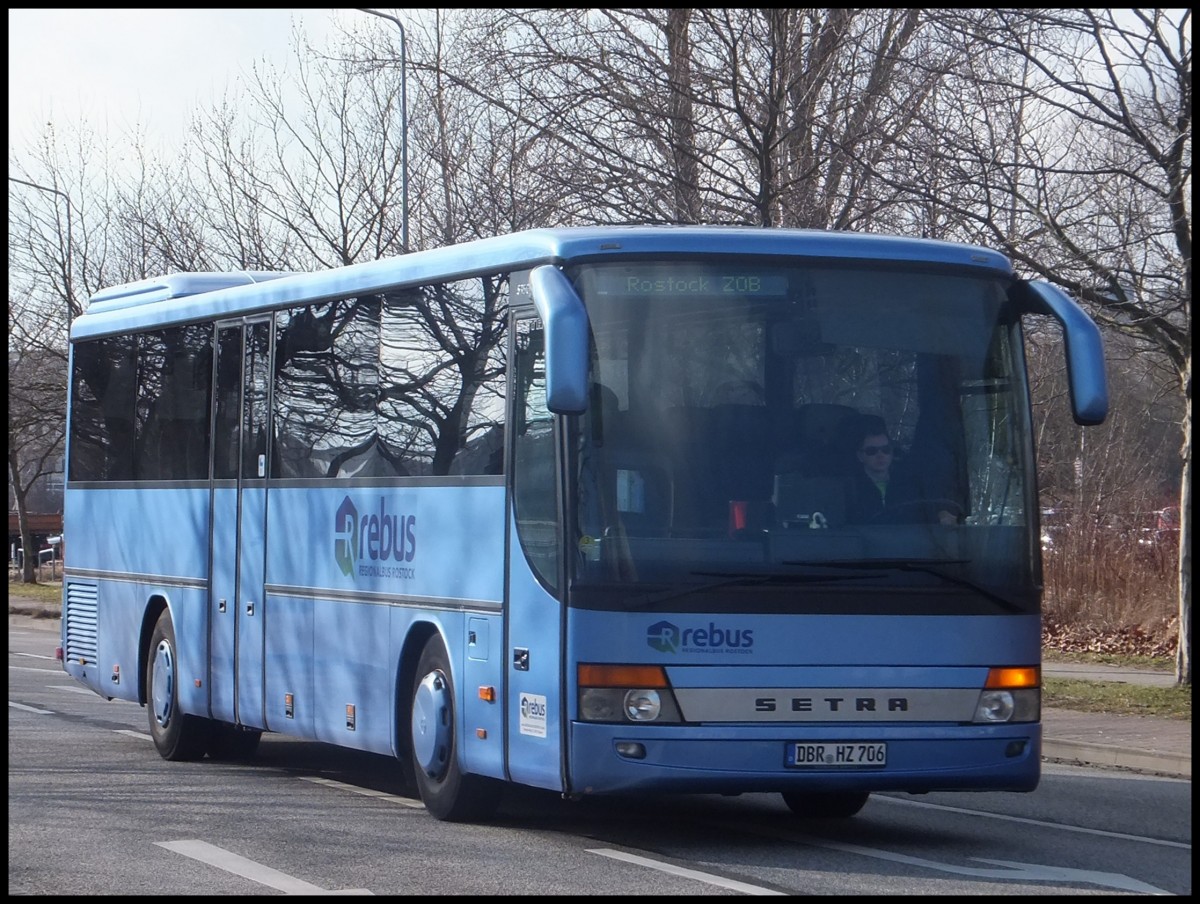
1111,591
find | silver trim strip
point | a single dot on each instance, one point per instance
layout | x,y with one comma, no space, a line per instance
199,483
372,598
396,483
880,705
308,483
136,578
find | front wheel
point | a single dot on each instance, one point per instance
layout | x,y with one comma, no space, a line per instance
826,804
447,792
176,735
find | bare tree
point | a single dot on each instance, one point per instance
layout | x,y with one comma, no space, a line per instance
721,115
300,185
1118,469
1077,162
36,398
41,302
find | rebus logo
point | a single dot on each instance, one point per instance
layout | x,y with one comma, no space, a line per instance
533,707
365,544
663,636
345,531
667,638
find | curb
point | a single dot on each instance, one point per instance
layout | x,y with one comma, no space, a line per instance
1087,754
32,612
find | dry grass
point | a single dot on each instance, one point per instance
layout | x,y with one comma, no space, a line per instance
1117,697
50,593
1108,594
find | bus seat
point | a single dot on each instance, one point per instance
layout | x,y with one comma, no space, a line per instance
741,464
643,490
605,410
817,445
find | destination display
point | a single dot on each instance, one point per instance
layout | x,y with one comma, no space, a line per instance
687,281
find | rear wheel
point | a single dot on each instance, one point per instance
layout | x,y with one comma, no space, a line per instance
176,735
447,792
825,804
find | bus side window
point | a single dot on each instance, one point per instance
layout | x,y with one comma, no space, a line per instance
227,433
534,490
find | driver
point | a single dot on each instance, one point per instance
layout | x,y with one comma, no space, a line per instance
879,492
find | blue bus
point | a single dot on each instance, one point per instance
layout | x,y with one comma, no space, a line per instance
576,509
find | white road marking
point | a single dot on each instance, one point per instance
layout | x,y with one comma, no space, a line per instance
140,735
1035,822
73,689
1010,870
711,879
366,792
31,709
248,869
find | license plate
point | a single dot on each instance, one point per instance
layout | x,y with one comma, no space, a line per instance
837,753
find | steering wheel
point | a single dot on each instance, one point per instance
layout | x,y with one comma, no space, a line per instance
926,503
745,392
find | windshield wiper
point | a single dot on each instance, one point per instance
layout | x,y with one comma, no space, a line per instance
924,566
743,579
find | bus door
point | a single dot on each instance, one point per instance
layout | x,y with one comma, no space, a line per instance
239,509
536,712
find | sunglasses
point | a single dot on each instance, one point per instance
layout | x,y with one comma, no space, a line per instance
876,450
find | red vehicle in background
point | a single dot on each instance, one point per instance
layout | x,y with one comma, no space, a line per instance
1159,538
1166,526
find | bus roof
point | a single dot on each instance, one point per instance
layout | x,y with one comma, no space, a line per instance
176,285
190,297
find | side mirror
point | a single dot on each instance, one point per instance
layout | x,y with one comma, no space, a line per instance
566,326
1086,378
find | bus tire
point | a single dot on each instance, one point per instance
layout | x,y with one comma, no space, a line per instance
177,736
448,793
826,804
232,742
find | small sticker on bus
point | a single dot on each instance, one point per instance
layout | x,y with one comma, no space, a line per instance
533,715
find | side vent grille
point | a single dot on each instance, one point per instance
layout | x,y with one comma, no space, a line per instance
82,619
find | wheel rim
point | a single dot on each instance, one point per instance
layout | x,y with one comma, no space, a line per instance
163,683
431,730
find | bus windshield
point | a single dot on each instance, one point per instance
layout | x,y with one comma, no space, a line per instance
826,437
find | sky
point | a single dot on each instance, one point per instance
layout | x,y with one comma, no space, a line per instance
122,68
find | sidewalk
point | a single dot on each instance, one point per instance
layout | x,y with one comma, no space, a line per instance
1139,743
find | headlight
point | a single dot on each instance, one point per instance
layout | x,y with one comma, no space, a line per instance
642,705
995,706
616,693
1019,705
